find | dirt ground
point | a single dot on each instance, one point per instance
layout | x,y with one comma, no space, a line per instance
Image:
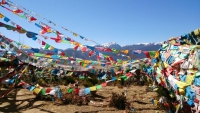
22,101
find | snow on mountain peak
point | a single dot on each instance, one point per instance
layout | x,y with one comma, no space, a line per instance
146,44
112,45
117,46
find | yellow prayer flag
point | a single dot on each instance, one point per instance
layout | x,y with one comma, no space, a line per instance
25,46
87,61
125,62
119,78
197,32
177,107
157,54
51,48
84,65
47,56
25,70
181,85
70,73
36,90
172,42
1,15
49,30
75,34
165,65
155,102
189,79
93,88
125,51
181,91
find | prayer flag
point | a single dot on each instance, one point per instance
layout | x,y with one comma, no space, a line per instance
93,88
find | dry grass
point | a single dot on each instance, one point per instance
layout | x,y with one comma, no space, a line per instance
22,100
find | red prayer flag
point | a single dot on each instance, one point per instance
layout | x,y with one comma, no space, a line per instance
45,28
84,49
31,54
19,27
17,11
43,31
32,18
147,54
3,2
49,54
57,40
91,53
62,54
104,84
21,83
111,58
48,90
98,57
43,43
76,47
107,49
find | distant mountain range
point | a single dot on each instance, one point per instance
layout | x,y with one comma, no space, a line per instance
78,54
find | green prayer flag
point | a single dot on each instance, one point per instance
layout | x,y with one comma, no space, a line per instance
83,63
46,46
70,90
119,60
152,53
124,77
23,16
115,51
65,41
81,77
38,55
98,86
17,43
43,91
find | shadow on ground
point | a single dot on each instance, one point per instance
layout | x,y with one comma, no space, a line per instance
11,103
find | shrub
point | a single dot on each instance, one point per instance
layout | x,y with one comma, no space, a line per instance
118,101
41,82
68,98
87,84
69,79
94,81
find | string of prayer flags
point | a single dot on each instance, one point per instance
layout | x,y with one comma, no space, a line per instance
47,29
85,63
58,39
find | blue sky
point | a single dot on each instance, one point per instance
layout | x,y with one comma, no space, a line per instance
121,21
